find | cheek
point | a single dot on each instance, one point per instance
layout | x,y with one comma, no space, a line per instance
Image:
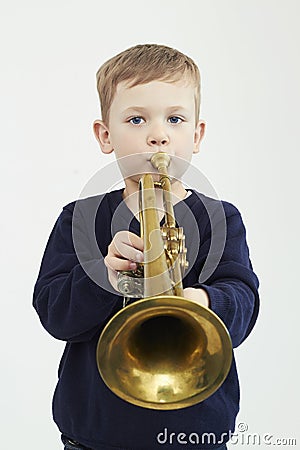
124,139
185,133
133,164
185,142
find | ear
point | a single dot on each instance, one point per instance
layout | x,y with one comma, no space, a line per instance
102,135
199,134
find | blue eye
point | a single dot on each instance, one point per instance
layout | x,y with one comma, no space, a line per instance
136,120
175,119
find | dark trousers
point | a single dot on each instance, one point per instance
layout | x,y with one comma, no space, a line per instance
72,445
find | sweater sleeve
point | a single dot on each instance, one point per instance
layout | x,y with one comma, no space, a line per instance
232,285
71,305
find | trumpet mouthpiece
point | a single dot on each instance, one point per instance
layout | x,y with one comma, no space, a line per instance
160,159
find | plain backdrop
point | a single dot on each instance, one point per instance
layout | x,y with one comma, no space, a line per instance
248,54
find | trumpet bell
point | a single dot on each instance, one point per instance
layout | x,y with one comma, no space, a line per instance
164,353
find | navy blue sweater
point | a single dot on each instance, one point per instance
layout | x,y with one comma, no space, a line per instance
74,301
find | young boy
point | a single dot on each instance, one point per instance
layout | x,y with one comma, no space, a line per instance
150,101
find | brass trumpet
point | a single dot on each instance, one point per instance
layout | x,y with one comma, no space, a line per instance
163,351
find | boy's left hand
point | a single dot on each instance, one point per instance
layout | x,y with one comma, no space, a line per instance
197,295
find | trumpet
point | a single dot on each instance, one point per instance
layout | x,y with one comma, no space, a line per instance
163,351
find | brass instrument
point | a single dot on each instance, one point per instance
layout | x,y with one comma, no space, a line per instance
163,351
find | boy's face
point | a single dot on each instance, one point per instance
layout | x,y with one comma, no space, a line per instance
152,117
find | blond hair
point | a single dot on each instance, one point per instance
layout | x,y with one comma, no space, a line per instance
141,64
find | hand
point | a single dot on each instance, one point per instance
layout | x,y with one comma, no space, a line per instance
197,295
124,252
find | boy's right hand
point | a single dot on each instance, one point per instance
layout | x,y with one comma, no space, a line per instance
124,252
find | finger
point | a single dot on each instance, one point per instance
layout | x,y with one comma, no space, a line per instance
126,252
136,241
118,264
126,249
130,239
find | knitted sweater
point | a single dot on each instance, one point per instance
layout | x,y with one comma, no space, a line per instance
74,301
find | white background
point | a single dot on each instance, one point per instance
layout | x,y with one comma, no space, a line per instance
248,54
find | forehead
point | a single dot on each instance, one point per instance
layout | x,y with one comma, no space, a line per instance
158,93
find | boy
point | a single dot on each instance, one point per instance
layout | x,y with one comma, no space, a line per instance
150,101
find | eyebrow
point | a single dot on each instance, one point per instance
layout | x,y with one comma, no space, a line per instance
142,109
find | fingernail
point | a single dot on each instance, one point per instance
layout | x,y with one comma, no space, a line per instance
139,257
132,265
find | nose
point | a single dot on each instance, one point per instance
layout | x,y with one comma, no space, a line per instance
158,137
